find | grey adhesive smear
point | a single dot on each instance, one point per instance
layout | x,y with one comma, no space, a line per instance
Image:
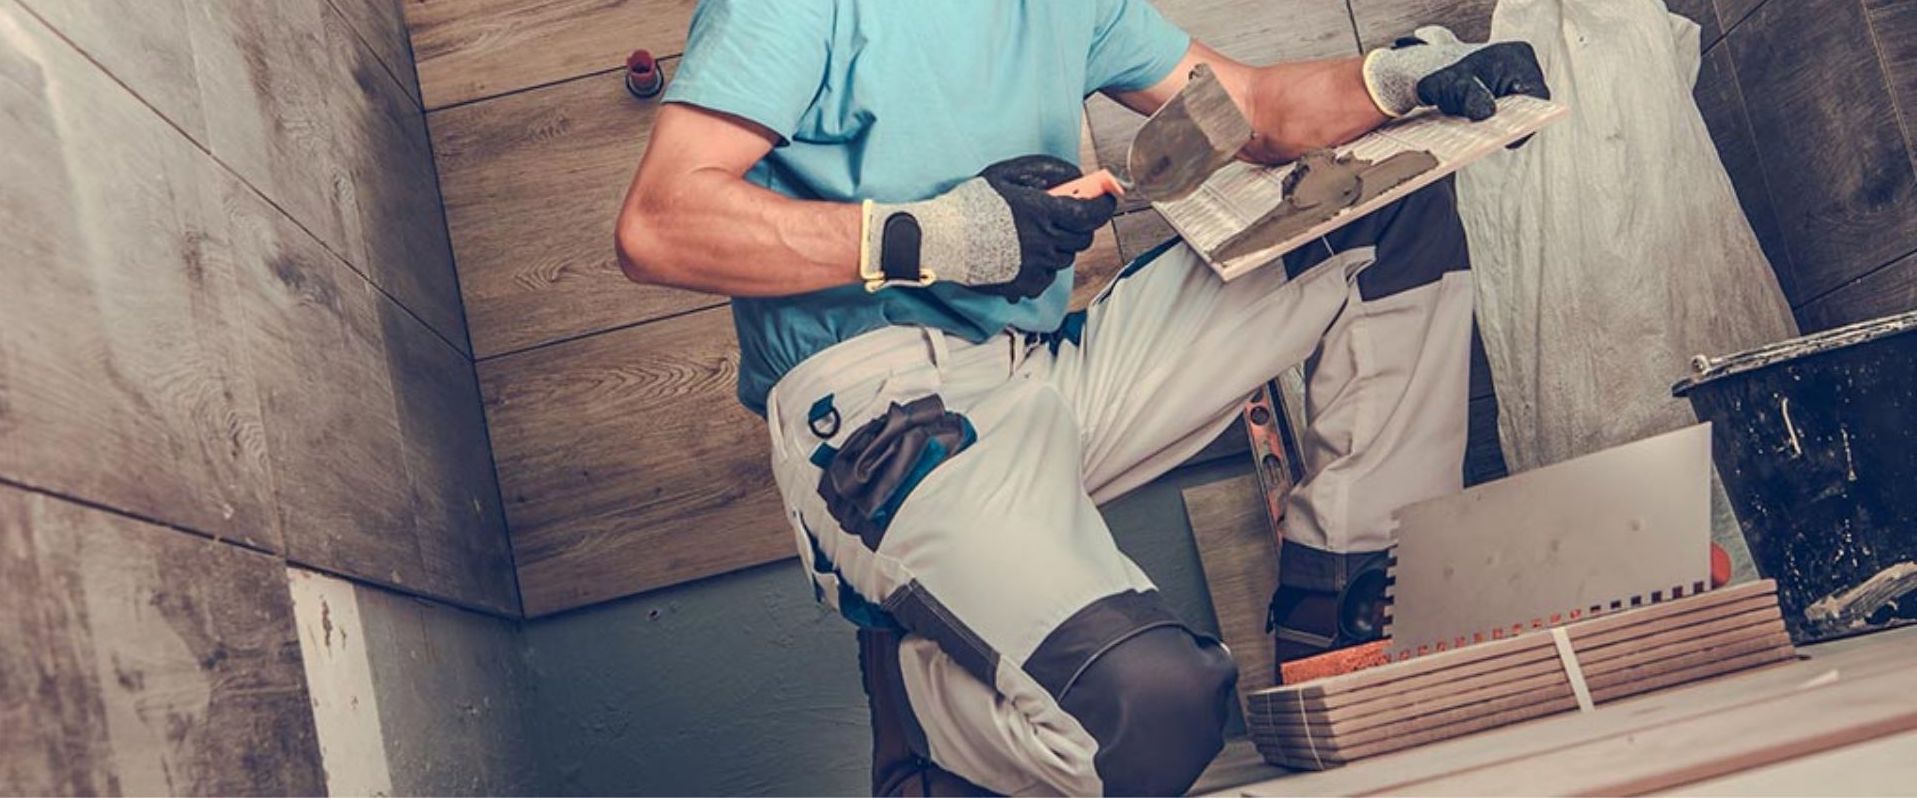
1321,186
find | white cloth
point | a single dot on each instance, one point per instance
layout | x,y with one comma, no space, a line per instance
1611,248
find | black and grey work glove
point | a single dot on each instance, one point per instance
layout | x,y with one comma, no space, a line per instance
999,232
1431,67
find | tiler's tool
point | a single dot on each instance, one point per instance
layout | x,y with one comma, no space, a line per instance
1189,137
1610,530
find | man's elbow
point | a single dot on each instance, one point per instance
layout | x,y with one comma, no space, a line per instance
636,242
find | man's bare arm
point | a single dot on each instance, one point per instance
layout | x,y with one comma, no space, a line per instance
1305,105
1293,107
691,220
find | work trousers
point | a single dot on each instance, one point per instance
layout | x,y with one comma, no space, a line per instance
949,489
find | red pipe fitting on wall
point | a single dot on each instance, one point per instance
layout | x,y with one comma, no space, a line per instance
644,78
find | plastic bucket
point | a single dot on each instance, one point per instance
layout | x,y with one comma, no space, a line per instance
1816,441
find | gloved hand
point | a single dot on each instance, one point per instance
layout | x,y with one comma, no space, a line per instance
999,232
1431,67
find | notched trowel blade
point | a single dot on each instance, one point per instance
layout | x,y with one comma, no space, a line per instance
1191,136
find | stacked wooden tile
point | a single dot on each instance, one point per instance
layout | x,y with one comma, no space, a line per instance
1327,722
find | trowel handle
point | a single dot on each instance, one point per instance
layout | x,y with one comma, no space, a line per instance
1092,186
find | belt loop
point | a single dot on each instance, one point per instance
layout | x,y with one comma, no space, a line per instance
1020,347
772,416
941,352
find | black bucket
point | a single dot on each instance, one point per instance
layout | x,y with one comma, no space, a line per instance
1816,441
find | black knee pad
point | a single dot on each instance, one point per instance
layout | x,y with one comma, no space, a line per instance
1157,704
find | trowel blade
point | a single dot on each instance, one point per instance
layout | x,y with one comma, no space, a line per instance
1193,134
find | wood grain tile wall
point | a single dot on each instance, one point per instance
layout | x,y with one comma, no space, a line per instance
142,661
1813,104
232,310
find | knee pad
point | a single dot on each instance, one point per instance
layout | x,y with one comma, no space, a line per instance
1157,704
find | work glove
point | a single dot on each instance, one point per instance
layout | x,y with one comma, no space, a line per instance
1431,67
999,232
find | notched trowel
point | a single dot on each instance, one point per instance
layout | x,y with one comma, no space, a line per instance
1192,135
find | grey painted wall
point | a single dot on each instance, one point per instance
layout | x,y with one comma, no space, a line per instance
740,684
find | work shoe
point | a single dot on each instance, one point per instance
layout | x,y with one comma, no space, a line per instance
1306,623
899,766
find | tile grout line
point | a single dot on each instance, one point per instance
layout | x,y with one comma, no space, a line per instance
1883,68
537,86
1352,15
132,515
390,70
284,558
594,333
1866,274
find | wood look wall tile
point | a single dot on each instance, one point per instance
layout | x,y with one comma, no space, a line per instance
265,72
1721,103
1894,24
460,527
143,43
1253,31
373,423
471,49
532,185
1733,12
122,378
1835,157
627,465
400,239
144,661
382,25
1382,21
1884,292
317,350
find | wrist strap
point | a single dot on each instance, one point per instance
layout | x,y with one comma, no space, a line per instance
889,256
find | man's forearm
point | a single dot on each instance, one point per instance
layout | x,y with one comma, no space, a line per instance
714,232
1293,107
1300,106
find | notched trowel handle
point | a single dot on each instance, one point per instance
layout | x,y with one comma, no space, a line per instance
1092,186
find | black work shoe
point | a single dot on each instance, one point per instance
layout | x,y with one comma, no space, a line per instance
899,766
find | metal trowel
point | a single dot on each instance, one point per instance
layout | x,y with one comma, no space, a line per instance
1188,138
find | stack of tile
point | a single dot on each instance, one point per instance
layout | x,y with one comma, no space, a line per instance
1331,721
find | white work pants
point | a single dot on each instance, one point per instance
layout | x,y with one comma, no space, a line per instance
951,488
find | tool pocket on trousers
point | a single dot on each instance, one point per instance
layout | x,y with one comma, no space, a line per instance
866,479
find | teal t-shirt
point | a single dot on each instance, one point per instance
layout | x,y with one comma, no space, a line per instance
899,100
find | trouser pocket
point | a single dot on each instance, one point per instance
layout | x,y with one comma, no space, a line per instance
866,479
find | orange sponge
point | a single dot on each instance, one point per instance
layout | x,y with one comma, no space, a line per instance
1333,663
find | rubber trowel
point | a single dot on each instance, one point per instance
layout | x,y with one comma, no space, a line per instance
1188,138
